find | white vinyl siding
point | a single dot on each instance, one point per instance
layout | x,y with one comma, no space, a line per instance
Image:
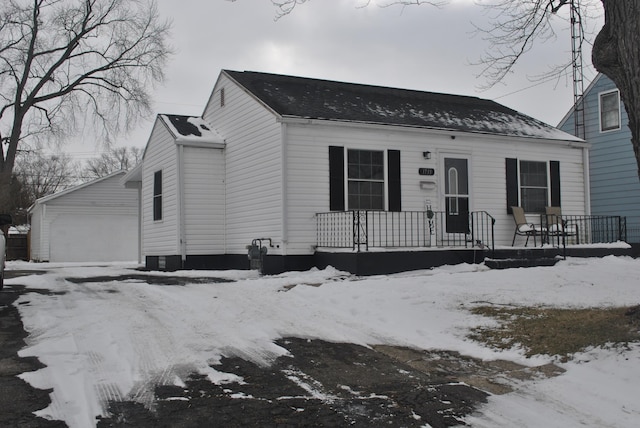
204,200
308,182
161,236
36,231
254,167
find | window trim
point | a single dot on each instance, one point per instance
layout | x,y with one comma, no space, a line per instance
384,181
600,111
513,188
157,196
547,186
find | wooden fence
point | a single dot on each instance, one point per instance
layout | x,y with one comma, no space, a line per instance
18,247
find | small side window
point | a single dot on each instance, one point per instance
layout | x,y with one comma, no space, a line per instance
609,111
157,195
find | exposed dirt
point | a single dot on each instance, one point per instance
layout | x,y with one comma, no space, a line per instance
320,384
558,331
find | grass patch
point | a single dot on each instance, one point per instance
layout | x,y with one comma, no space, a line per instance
554,331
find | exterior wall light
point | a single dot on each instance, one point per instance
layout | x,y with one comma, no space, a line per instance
426,155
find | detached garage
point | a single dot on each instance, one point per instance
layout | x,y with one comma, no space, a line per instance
93,222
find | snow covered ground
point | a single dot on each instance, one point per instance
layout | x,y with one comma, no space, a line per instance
117,339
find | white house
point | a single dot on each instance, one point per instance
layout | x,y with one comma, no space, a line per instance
92,222
315,170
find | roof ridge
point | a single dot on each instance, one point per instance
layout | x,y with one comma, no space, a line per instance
347,83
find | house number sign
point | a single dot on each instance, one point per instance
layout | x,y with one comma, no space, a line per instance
426,171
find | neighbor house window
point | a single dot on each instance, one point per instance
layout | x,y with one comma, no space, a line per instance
609,111
534,189
365,180
157,195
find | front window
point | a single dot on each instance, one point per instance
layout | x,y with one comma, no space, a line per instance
365,179
533,186
609,111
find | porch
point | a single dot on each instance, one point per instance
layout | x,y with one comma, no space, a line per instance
376,230
380,242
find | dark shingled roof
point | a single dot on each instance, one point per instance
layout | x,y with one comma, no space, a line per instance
301,97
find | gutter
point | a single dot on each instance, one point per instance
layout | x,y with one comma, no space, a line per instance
574,142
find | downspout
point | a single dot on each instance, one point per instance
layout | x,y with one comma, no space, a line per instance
42,223
285,223
140,222
587,180
224,198
181,222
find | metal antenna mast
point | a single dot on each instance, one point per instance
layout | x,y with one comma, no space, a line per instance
577,36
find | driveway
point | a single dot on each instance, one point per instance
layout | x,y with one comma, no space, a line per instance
318,384
18,400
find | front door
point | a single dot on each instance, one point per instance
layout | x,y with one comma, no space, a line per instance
456,194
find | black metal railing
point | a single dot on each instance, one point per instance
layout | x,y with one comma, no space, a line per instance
361,230
583,229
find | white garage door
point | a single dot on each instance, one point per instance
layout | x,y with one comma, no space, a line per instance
86,238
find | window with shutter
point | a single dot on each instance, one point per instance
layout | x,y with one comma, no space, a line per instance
157,195
365,179
532,185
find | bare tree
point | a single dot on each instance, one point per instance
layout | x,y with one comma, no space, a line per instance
285,7
62,60
116,159
518,25
36,175
616,53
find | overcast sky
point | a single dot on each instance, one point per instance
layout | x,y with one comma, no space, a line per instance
417,47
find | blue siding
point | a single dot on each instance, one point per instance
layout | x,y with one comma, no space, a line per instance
615,186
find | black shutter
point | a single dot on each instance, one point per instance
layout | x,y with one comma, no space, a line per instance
336,178
554,169
512,183
394,185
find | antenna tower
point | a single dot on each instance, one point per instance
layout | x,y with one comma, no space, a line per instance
577,36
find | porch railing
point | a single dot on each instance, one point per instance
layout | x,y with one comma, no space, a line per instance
361,230
584,229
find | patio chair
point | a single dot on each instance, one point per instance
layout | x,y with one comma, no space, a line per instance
557,226
524,228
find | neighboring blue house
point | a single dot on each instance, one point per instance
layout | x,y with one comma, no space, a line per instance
615,186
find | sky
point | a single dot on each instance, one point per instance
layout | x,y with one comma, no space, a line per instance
416,47
118,339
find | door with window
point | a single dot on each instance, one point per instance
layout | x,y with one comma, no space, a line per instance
456,194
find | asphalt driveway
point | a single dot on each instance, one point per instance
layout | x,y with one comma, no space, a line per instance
319,384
